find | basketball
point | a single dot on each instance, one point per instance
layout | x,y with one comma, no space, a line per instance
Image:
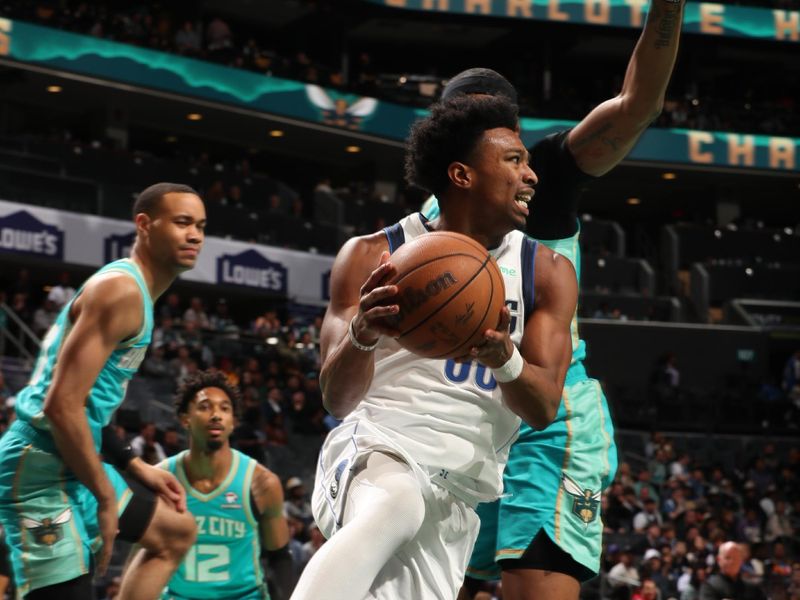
450,292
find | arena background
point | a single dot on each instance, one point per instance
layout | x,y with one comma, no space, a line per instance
289,117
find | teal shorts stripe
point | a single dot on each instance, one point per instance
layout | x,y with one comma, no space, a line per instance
50,518
553,481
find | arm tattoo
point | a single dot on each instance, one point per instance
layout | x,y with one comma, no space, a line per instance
665,20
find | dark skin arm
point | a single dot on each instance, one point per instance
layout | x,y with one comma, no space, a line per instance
606,135
273,529
546,344
108,311
347,372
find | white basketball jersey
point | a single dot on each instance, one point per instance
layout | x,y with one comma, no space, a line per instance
450,418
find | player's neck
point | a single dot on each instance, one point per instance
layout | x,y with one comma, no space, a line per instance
208,466
462,223
157,277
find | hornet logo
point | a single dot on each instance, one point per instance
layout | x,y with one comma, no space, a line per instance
585,502
342,110
49,531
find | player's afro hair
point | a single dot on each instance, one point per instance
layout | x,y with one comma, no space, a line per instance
200,381
451,133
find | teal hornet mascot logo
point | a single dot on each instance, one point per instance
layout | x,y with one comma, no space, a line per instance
342,110
47,531
584,502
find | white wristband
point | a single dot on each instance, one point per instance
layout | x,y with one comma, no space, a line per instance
351,331
511,369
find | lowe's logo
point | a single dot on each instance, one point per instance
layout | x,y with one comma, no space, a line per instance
22,233
252,269
118,246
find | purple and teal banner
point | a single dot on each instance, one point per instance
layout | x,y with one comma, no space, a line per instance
194,79
707,18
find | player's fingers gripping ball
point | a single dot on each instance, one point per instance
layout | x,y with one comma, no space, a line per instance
450,291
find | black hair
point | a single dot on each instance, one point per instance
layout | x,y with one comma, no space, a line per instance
149,199
451,133
479,81
200,381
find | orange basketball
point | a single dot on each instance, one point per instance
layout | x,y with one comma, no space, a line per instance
450,292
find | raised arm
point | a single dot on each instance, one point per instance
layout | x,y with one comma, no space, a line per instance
546,348
347,370
606,135
108,311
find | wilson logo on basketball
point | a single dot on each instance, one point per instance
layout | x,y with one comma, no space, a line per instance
412,298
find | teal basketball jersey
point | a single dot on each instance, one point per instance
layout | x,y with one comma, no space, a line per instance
568,247
224,561
108,391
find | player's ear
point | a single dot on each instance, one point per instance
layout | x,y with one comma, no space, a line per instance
142,221
460,174
184,419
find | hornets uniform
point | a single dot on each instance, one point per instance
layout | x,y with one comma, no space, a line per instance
447,421
224,562
554,477
50,518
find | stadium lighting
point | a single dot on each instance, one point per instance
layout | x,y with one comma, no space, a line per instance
272,341
634,201
276,133
669,176
353,149
194,116
54,89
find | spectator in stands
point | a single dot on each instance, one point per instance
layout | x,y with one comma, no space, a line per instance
187,39
146,446
296,504
62,292
248,437
727,583
276,431
196,313
172,441
623,576
778,568
779,524
219,38
171,308
675,505
648,516
761,475
644,481
220,320
167,337
156,365
649,591
44,317
690,582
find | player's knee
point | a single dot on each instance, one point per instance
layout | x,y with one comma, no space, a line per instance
404,510
183,533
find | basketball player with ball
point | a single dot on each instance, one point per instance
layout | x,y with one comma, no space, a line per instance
430,405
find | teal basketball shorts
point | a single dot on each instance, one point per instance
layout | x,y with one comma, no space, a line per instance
553,482
50,518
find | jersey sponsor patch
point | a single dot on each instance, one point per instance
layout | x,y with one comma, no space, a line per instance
584,502
337,477
231,500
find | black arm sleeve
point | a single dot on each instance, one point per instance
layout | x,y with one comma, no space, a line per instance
281,567
114,450
554,210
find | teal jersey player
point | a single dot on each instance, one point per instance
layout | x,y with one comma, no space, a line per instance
109,388
60,505
225,560
236,502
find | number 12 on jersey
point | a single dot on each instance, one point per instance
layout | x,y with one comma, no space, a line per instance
204,561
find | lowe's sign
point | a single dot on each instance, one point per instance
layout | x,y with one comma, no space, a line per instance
118,246
252,269
22,233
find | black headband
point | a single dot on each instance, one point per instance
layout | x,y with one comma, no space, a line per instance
493,85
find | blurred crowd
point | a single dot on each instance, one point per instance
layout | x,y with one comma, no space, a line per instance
320,56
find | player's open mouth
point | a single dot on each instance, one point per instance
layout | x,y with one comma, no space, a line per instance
523,198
